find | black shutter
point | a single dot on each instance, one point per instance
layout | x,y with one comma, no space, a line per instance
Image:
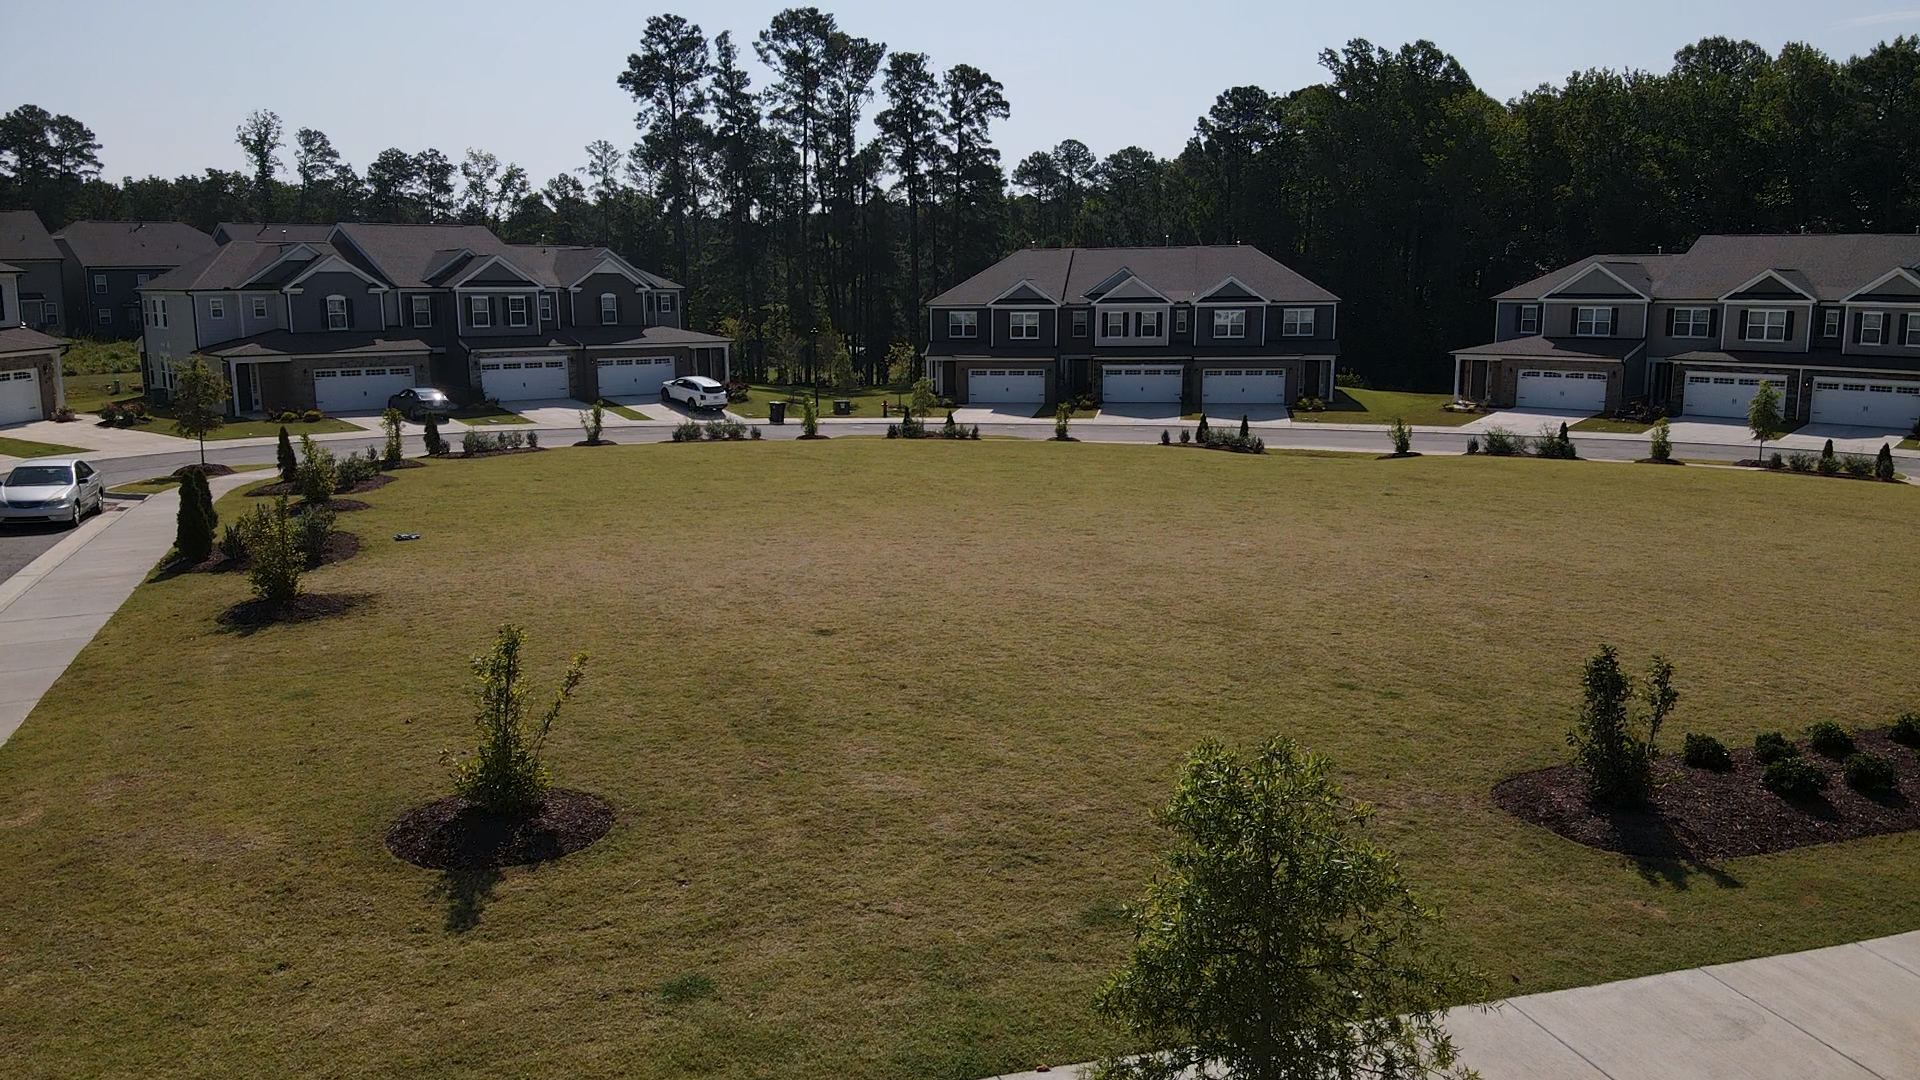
1859,321
1613,322
1789,324
1713,322
1902,339
1670,314
349,312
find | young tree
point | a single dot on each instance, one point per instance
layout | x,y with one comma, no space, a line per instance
275,555
199,402
1763,417
1658,694
259,136
1660,444
194,523
390,423
1278,941
283,455
1618,764
923,399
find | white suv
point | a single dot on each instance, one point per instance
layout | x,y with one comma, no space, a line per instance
695,392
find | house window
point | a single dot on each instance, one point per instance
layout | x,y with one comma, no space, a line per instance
1766,325
963,324
142,279
546,307
423,311
1113,324
259,307
1230,323
1913,331
1692,322
99,284
159,313
1593,322
1150,324
1529,318
1832,326
609,309
1873,325
105,315
479,312
1180,321
516,311
51,312
1296,322
337,313
666,303
1023,325
1079,324
216,307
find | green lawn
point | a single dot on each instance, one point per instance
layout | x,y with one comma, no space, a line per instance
85,356
894,832
866,401
254,429
88,393
1619,427
1352,406
629,413
28,448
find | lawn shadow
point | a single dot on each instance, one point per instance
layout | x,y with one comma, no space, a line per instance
467,893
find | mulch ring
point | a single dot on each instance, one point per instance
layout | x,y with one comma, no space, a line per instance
454,834
590,442
1704,816
371,483
341,546
210,469
306,607
498,453
335,504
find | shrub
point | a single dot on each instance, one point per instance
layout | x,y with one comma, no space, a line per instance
313,416
1501,442
1556,445
288,416
1706,752
1473,445
972,433
810,416
318,473
354,468
1906,729
1185,436
687,431
193,524
1870,774
1775,461
1348,377
436,443
274,542
1828,465
1772,746
1618,764
1660,445
729,429
1883,463
1246,431
1793,778
1402,437
1858,466
233,541
1060,418
390,454
1801,462
1829,739
504,774
473,442
593,421
1200,432
948,427
756,435
316,528
923,400
289,465
514,440
1166,437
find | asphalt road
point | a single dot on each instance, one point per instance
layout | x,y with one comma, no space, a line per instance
21,544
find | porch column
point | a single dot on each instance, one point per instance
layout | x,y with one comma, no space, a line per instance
233,390
1457,395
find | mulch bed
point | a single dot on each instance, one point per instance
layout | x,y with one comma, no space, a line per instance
371,483
499,453
1657,461
336,504
454,834
804,438
252,614
590,442
1704,816
341,546
210,469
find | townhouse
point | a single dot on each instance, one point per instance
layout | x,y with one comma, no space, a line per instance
340,324
104,263
26,246
1829,320
31,387
1187,328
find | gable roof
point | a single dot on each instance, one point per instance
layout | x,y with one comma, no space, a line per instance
133,243
235,265
22,237
1181,274
405,255
271,232
1827,267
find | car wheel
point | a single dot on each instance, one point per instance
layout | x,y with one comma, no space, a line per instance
74,522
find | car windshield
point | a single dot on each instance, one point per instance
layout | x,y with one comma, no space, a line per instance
427,393
40,476
703,383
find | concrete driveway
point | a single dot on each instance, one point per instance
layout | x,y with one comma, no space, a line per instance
21,544
1003,413
1140,412
1813,437
1255,414
1527,421
676,412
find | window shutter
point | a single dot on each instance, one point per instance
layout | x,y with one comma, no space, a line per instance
1902,339
1671,312
1859,322
1789,324
1713,322
1613,322
349,312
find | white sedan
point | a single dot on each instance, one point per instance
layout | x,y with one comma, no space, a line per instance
51,489
695,392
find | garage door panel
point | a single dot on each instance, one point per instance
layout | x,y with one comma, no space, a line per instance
1724,394
1582,391
527,379
1244,386
20,396
640,376
1141,383
1863,402
1013,385
358,390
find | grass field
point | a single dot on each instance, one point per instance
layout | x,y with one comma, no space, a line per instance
1617,427
866,401
1353,406
87,393
885,738
25,448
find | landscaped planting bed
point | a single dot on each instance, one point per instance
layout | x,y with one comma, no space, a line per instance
884,740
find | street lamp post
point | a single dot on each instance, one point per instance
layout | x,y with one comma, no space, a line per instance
813,365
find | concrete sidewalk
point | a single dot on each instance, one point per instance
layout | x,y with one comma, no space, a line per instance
51,609
1851,1012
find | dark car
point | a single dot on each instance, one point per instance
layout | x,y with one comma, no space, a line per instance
420,402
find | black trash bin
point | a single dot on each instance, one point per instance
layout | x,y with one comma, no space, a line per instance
843,406
776,412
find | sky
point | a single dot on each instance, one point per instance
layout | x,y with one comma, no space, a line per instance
164,85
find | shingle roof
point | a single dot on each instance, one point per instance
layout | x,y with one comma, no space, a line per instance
1830,266
609,336
282,343
1546,348
19,339
23,237
1180,273
9,268
229,266
134,243
273,232
1816,358
568,264
405,254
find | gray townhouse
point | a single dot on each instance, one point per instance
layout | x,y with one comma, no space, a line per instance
31,387
106,262
1833,321
26,246
342,323
1198,328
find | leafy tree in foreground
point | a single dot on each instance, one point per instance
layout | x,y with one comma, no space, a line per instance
1618,763
199,402
1763,417
505,775
1279,942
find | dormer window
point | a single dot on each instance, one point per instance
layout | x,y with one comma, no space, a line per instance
516,311
216,307
259,307
666,303
609,309
963,324
479,312
337,313
1230,323
1023,325
1593,322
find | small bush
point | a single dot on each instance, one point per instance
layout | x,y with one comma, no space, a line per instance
313,416
1473,445
390,454
1829,739
1906,730
810,417
1772,746
1802,462
1618,763
1200,432
1185,436
533,440
1858,466
1501,442
353,468
1402,437
1706,752
756,435
1060,419
1660,446
233,542
318,474
973,433
1347,377
316,528
1776,461
1870,774
504,774
274,542
594,420
1793,778
1166,437
513,440
289,464
729,430
436,443
1883,463
687,431
1555,445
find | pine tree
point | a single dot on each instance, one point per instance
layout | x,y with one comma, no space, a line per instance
288,462
193,525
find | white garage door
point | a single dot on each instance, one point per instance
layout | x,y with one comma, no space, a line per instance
1244,386
1140,383
20,396
640,376
1019,385
1570,391
524,380
358,390
1894,406
1728,395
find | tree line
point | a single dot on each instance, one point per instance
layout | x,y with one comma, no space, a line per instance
812,216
